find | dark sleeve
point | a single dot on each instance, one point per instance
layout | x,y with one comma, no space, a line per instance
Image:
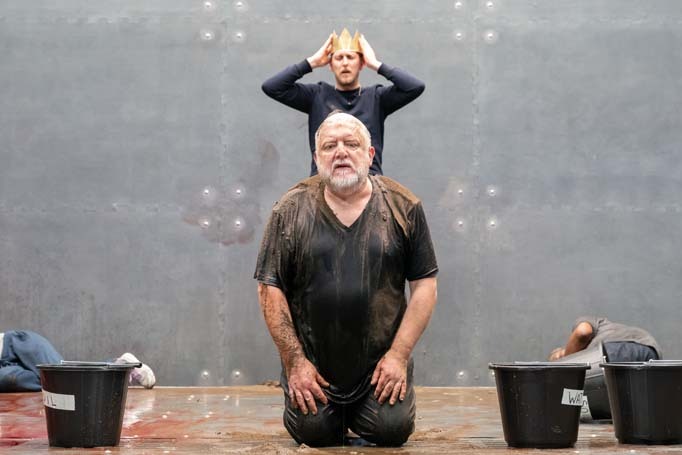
284,88
405,89
421,260
270,266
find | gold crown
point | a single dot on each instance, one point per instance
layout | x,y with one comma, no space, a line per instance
345,42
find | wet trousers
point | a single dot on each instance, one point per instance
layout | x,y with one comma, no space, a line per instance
381,424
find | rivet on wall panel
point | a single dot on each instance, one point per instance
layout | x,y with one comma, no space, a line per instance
460,223
239,36
207,35
238,192
236,374
492,223
490,5
205,378
240,5
462,376
490,36
492,191
208,196
208,5
459,35
459,4
460,191
238,224
204,223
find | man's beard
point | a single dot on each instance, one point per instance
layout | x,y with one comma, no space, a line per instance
342,184
347,82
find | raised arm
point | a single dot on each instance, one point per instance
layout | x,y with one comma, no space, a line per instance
577,341
304,381
390,375
405,89
283,86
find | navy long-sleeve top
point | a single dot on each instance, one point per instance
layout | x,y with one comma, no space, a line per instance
369,104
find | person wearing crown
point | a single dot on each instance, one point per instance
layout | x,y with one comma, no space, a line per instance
346,56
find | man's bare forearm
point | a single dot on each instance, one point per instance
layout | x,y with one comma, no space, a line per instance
277,316
423,297
579,339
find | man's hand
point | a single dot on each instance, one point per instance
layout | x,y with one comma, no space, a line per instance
390,378
304,380
390,375
322,56
304,386
557,353
368,54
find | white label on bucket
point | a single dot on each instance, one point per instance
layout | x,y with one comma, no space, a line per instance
59,401
585,410
572,397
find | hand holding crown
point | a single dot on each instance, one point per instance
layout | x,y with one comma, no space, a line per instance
368,54
322,56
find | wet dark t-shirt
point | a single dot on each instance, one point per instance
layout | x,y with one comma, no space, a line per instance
346,285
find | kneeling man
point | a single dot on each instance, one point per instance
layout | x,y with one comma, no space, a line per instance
332,267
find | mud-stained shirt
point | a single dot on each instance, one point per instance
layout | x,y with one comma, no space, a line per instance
345,285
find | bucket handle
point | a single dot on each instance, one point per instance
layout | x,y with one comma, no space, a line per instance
101,364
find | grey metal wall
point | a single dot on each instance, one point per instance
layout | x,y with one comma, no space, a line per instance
139,161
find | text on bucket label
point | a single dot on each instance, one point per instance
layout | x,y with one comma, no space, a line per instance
585,410
59,401
572,397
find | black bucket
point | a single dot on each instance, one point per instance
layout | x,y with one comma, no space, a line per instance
646,401
540,402
596,396
84,402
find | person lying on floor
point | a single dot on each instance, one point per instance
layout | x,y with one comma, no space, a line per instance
22,350
622,343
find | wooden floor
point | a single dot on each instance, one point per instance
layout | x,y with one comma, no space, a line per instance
248,420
